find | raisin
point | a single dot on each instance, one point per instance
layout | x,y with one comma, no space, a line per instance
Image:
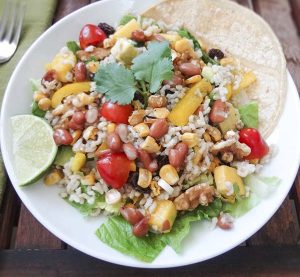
168,91
133,180
139,97
216,53
162,160
107,29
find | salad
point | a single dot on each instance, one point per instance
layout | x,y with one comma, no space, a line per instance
148,133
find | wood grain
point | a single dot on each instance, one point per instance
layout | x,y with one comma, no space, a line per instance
241,262
31,234
8,215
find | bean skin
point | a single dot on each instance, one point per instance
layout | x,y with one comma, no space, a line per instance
78,117
114,142
218,112
159,128
178,154
130,151
189,69
138,36
131,215
62,137
80,72
141,228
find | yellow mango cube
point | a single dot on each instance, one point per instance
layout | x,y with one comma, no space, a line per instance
78,162
126,30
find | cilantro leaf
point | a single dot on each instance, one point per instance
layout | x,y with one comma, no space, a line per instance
116,82
126,18
154,65
73,46
186,34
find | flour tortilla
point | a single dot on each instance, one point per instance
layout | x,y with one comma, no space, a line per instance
242,34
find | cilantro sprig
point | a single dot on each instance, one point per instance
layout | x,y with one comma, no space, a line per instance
148,70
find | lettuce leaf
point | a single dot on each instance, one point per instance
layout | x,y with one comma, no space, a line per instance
117,233
261,187
249,115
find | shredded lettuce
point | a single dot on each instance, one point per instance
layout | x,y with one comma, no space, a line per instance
249,115
126,18
117,233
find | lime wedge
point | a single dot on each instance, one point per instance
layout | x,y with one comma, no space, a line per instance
34,148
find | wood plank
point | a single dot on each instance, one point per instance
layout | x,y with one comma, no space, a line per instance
8,216
64,7
282,229
295,4
242,261
31,234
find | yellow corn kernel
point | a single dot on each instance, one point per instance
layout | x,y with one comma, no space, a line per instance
69,89
126,30
84,99
89,179
255,161
90,133
229,91
92,66
191,139
171,38
207,137
192,100
132,166
76,136
150,145
198,156
145,177
193,80
38,96
155,188
161,113
111,127
101,148
183,45
142,129
44,104
169,174
53,177
78,162
227,61
63,64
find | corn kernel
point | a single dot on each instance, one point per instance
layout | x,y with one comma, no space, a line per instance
53,177
190,139
101,148
132,166
78,162
142,129
44,104
145,177
229,91
198,156
111,127
85,99
90,133
38,96
207,137
183,45
150,145
193,80
89,179
76,135
161,112
169,174
92,66
226,61
155,188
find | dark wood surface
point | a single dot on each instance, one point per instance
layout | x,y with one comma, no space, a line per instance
28,249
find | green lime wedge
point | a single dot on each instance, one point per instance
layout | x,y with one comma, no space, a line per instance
33,147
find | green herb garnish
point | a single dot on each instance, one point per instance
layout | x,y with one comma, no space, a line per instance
126,18
73,46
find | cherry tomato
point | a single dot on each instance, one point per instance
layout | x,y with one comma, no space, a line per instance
114,169
91,35
254,140
116,113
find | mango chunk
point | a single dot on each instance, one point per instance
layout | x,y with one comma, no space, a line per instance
163,217
63,64
78,162
126,30
192,100
67,90
231,120
226,176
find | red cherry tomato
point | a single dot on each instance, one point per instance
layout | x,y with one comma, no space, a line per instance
116,113
91,35
114,169
254,140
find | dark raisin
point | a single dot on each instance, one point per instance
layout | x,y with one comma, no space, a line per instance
162,160
139,97
168,91
91,76
216,53
107,29
133,181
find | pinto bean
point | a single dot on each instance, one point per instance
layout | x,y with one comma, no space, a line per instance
80,72
159,128
141,228
189,69
178,154
218,112
138,36
114,142
131,215
147,160
130,151
78,117
62,137
50,75
122,131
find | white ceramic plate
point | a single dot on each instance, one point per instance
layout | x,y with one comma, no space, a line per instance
67,223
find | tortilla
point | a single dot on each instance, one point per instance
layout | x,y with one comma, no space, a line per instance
242,34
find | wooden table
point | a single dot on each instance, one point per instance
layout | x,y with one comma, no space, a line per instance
28,249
